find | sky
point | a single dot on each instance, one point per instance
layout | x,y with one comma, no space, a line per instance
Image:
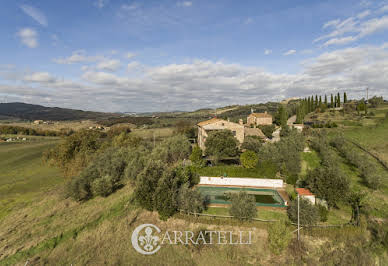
141,56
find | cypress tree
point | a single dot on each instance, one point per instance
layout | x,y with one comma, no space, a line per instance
326,100
320,100
338,100
331,101
345,98
316,102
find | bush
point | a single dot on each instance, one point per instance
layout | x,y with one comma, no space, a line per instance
252,143
147,182
249,159
267,130
329,183
323,212
308,213
243,205
103,186
136,162
221,144
190,200
196,157
278,237
102,177
172,149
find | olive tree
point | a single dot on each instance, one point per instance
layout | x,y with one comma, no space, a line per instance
243,205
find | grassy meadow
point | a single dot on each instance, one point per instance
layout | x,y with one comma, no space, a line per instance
40,225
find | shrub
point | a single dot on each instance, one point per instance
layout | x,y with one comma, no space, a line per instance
196,157
249,159
329,183
147,182
308,213
172,150
190,200
278,237
243,205
221,144
252,143
136,162
323,212
267,130
103,186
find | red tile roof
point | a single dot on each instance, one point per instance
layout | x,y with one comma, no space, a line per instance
304,192
261,115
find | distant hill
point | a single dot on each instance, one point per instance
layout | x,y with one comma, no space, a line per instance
37,112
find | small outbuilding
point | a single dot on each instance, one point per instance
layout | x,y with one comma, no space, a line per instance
305,193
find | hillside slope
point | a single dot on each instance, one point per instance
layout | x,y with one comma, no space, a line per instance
35,112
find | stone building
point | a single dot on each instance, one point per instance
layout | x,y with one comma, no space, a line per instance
257,119
239,130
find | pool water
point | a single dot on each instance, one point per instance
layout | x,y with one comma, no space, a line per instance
263,197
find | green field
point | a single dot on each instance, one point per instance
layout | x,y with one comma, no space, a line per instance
23,174
263,170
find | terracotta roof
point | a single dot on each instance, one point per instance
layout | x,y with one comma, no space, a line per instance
304,192
210,121
261,115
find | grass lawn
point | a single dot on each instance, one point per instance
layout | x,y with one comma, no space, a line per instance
374,139
310,161
262,213
23,173
263,170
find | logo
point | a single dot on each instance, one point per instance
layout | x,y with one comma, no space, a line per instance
143,239
147,239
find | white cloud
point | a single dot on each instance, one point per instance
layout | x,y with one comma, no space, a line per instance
101,3
343,40
290,52
383,9
363,14
267,51
78,57
352,29
28,37
185,3
40,77
202,83
109,65
133,65
331,23
130,55
35,13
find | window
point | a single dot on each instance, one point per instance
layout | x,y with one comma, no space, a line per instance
234,133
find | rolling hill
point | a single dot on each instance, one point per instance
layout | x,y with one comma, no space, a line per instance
34,112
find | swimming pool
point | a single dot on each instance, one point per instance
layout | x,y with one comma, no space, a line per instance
263,197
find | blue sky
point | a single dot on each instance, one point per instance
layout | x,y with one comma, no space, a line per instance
116,55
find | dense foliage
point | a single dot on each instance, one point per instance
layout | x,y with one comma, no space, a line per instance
278,237
285,154
243,205
308,213
252,143
221,144
249,159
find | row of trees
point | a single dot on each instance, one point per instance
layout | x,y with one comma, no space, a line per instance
312,104
4,129
355,157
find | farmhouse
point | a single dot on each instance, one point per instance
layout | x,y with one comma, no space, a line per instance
257,119
239,130
38,122
305,193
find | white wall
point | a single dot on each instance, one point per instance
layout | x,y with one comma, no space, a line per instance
249,182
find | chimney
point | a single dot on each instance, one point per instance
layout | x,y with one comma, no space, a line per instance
241,122
265,112
228,119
